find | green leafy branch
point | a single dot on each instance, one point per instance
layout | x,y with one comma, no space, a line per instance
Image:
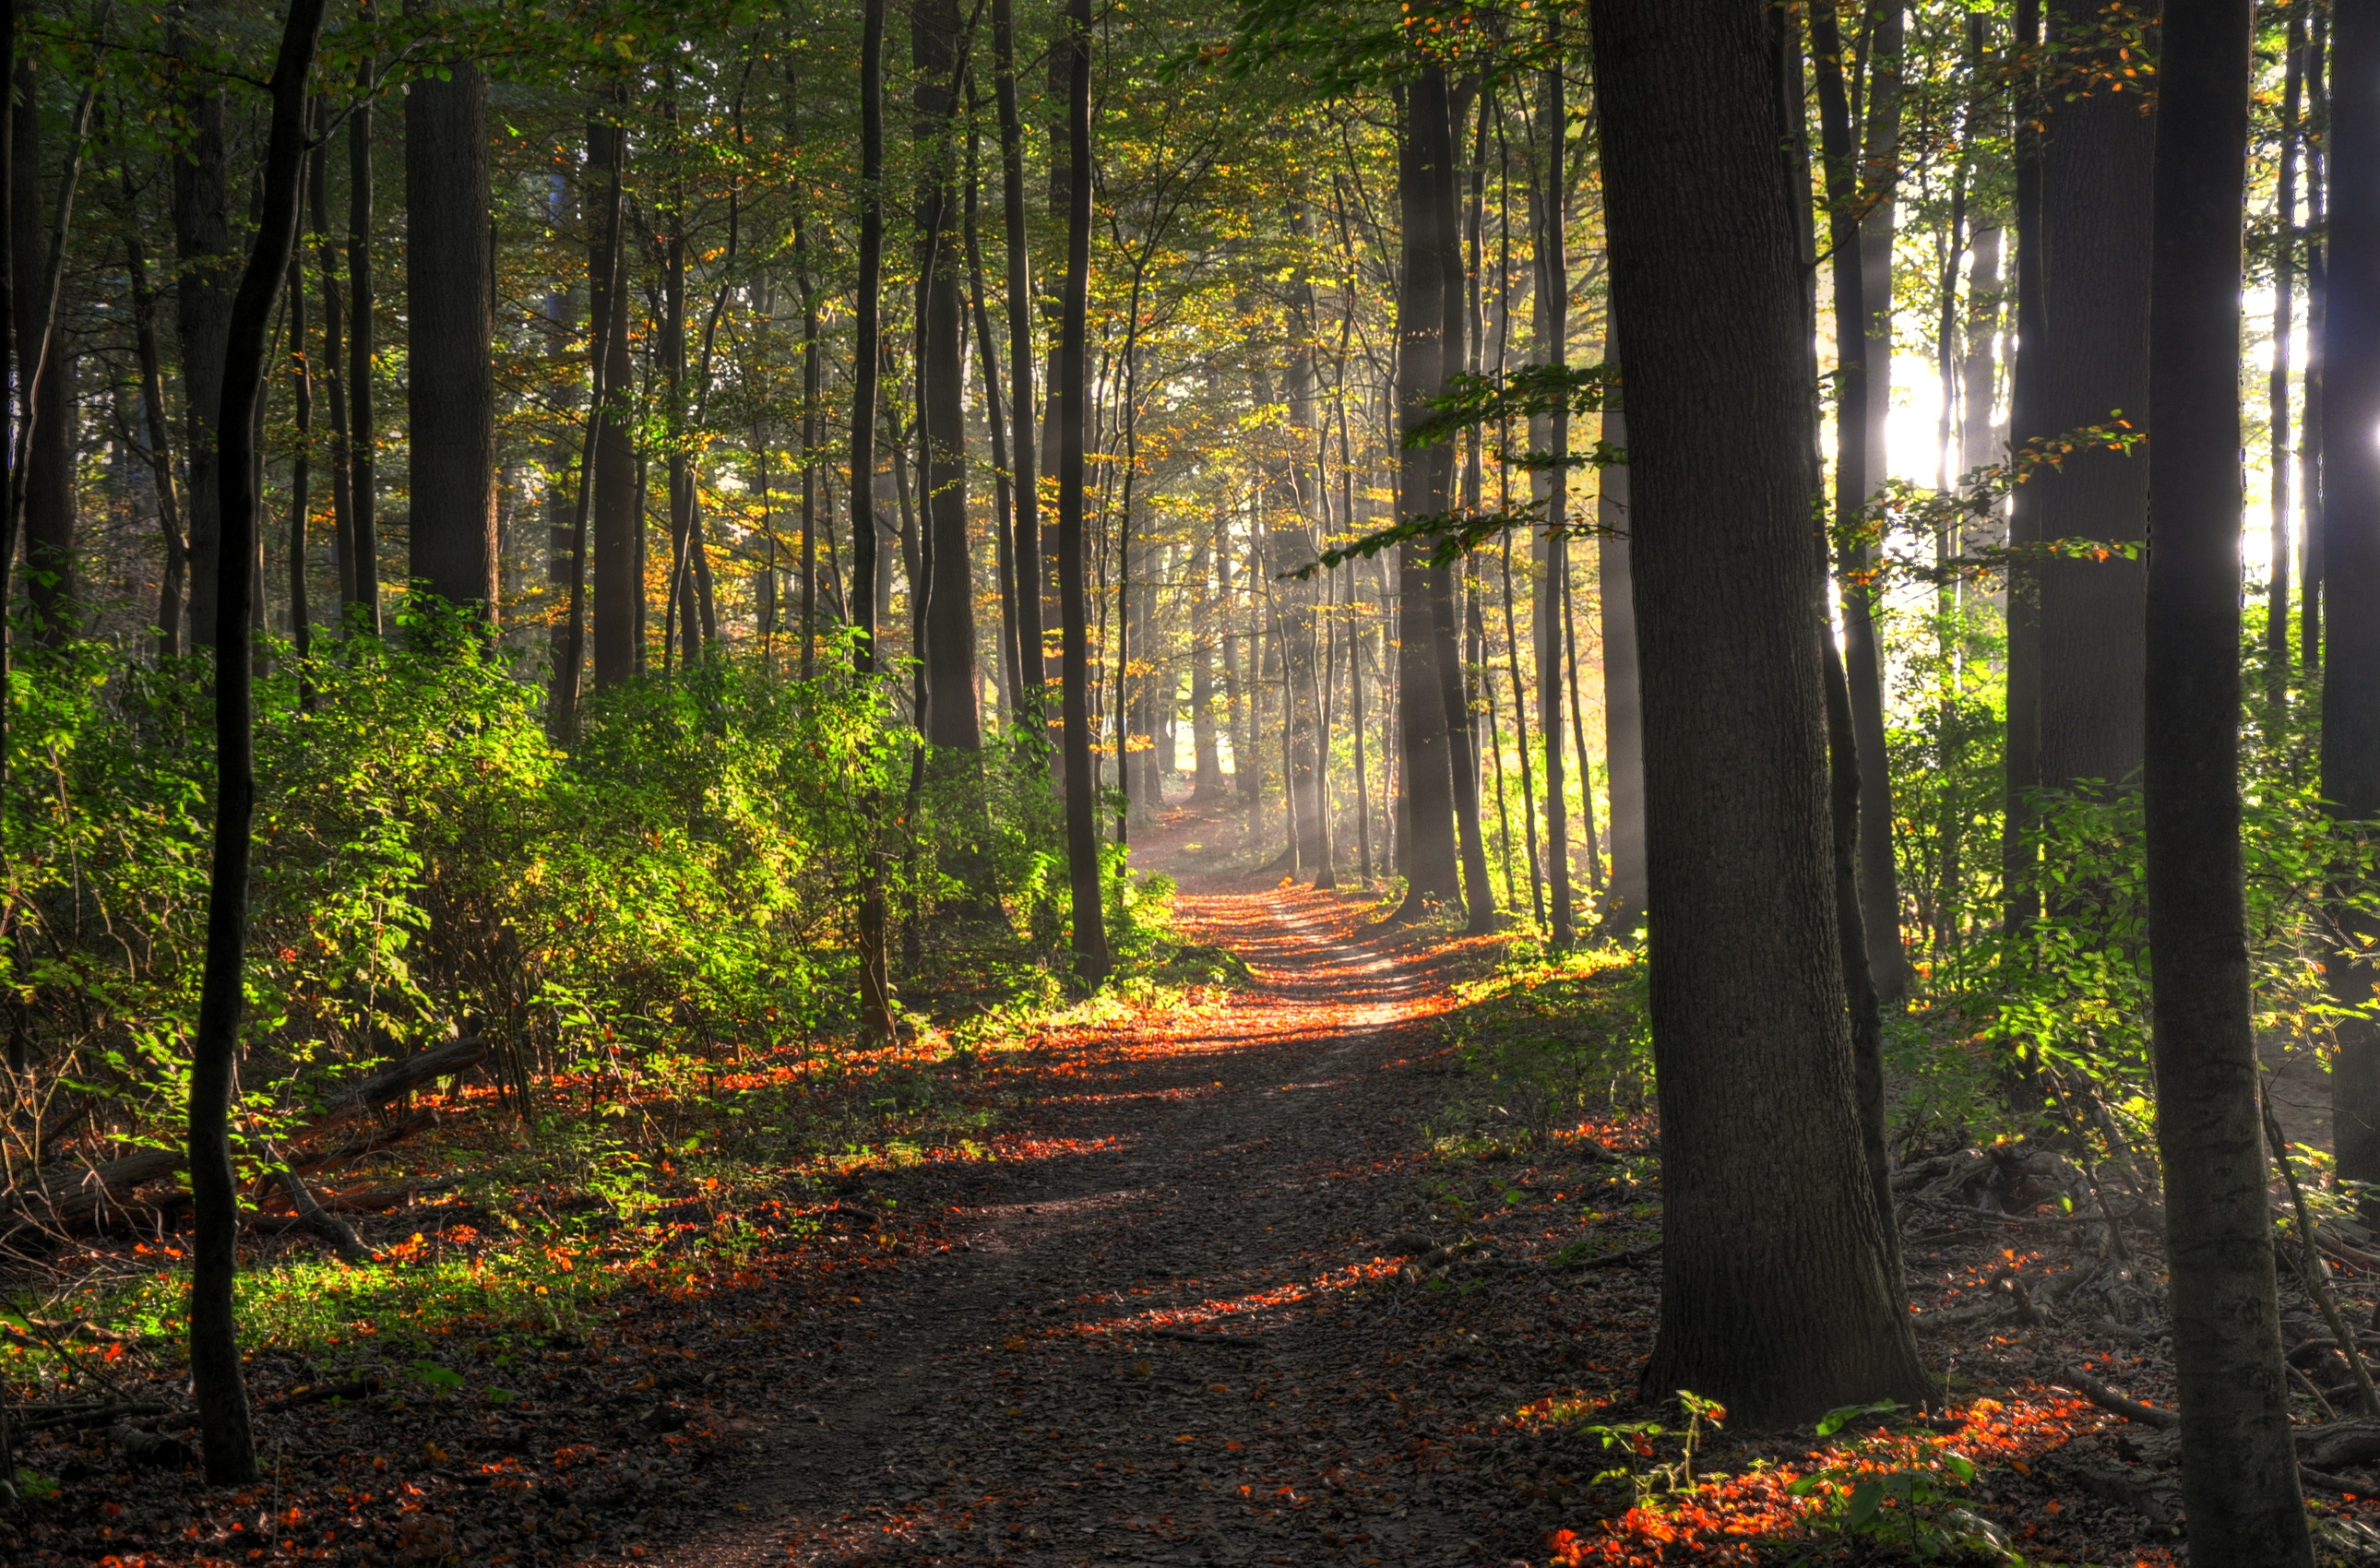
1521,394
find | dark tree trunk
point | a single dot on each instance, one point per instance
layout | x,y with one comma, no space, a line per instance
2351,684
953,716
995,419
1425,176
1031,636
1206,777
2317,264
1777,1299
875,973
301,466
2239,1467
450,394
618,516
363,499
217,1380
2094,233
809,452
1074,47
170,586
48,480
327,370
1550,187
203,306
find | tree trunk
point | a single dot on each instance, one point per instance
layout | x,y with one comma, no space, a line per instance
1549,188
2021,766
2285,201
327,370
363,525
217,1378
48,482
1073,46
1859,394
450,395
2096,156
2239,1467
1777,1299
301,464
2350,685
1424,174
1624,904
953,716
1031,574
202,312
2317,263
170,585
875,975
618,516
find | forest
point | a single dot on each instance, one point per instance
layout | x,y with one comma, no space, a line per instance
1554,782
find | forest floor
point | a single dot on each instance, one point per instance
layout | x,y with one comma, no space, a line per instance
1228,1294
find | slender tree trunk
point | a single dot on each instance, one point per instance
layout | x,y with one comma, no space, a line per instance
2350,685
1207,786
160,451
2239,1467
45,489
1778,1301
202,244
1003,514
1857,387
1074,413
362,435
301,464
953,715
2317,260
217,1380
327,370
810,443
450,394
2021,894
875,976
1031,575
618,522
2276,580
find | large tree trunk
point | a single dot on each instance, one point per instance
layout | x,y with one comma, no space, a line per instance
953,713
2096,156
1425,176
2350,687
2239,1467
202,308
1072,389
217,1378
2021,765
1777,1299
618,516
49,487
450,396
875,973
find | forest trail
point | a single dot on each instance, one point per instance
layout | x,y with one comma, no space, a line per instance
1141,1347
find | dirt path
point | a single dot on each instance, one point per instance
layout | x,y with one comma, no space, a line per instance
1152,1348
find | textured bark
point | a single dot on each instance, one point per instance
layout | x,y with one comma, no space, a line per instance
1072,53
203,309
2283,460
875,976
1625,902
450,394
953,718
217,1378
616,546
2239,1468
1776,1299
49,491
2022,749
1425,176
1032,575
1548,189
170,586
2094,231
327,371
2351,479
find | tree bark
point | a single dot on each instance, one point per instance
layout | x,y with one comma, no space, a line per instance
170,586
202,293
2285,276
2351,684
1424,174
1776,1301
48,481
618,516
1091,937
954,719
1549,188
875,976
1624,905
216,1375
2094,230
1031,574
450,394
2021,766
328,370
2239,1467
364,501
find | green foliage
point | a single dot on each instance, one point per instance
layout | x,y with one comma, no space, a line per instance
1546,1041
1900,1488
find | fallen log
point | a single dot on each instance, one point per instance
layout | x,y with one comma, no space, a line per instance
89,1195
2107,1398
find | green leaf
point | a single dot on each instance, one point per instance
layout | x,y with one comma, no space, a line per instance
1866,1498
1834,1420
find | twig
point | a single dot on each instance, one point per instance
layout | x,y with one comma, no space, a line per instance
2317,1271
337,1232
1193,1337
2331,1483
2107,1398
